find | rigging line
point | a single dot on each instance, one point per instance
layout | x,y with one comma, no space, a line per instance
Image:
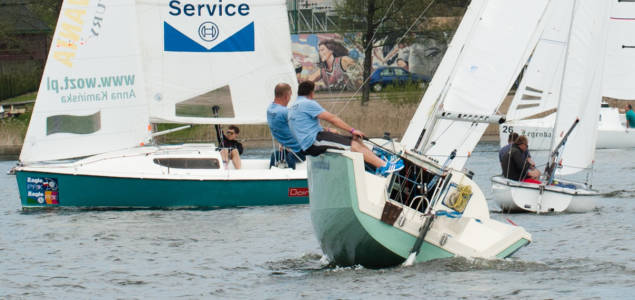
368,44
397,43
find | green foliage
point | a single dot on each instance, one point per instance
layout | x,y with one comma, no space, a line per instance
197,133
19,77
404,94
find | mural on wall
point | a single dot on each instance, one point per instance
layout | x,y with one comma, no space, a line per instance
334,62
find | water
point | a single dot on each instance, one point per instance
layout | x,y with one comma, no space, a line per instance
271,252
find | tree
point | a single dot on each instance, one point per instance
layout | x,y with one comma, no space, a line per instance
381,19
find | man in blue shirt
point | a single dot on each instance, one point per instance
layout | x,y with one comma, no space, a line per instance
277,118
304,121
630,117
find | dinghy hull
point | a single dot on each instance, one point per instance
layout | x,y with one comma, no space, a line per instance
349,235
518,197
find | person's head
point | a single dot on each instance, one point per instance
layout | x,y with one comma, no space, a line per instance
282,92
629,107
512,137
522,142
306,89
232,132
328,48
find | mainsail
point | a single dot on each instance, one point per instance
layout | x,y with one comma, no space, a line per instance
490,47
581,91
619,73
91,98
205,54
540,86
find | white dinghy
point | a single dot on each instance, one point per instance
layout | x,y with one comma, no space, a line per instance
580,94
117,66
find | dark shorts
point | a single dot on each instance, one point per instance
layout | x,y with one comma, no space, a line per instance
328,140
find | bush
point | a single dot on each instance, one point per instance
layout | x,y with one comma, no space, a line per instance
19,77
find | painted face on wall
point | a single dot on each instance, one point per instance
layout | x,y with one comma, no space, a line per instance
325,53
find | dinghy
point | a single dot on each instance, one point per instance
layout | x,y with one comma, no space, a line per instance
575,131
538,91
116,67
431,209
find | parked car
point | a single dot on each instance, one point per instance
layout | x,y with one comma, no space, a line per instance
385,76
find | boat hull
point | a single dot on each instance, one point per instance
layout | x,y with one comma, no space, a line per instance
518,197
349,236
116,192
185,176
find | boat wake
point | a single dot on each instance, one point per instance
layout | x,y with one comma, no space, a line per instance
308,262
620,194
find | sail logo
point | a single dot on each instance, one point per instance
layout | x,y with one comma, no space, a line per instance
79,22
208,26
208,31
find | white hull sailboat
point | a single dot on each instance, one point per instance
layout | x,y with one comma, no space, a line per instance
538,91
117,66
574,135
431,209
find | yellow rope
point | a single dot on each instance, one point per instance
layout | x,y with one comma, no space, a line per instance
459,199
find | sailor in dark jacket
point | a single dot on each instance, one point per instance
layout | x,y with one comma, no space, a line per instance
514,162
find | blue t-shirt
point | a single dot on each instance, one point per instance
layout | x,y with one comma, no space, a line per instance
630,116
303,121
279,126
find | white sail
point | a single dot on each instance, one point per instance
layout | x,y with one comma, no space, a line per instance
200,54
540,86
619,71
582,84
491,46
91,98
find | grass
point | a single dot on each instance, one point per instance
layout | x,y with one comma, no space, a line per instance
23,97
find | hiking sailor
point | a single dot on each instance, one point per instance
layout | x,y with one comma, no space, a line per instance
304,121
277,118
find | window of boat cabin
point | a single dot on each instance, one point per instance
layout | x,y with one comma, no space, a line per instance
188,163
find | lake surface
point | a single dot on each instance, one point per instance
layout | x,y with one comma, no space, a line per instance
272,253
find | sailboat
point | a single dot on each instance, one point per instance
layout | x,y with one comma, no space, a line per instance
575,130
432,208
116,67
538,91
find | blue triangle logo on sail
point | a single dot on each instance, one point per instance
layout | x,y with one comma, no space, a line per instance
175,41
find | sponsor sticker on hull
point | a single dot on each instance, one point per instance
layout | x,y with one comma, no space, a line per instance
298,192
42,191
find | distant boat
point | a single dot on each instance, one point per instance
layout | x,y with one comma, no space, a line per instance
114,68
539,89
574,135
431,209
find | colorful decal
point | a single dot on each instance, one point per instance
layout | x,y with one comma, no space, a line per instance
298,192
42,190
79,22
208,26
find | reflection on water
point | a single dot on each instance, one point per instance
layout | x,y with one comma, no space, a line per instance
271,252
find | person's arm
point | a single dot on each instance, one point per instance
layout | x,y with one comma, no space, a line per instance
239,146
337,122
315,76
